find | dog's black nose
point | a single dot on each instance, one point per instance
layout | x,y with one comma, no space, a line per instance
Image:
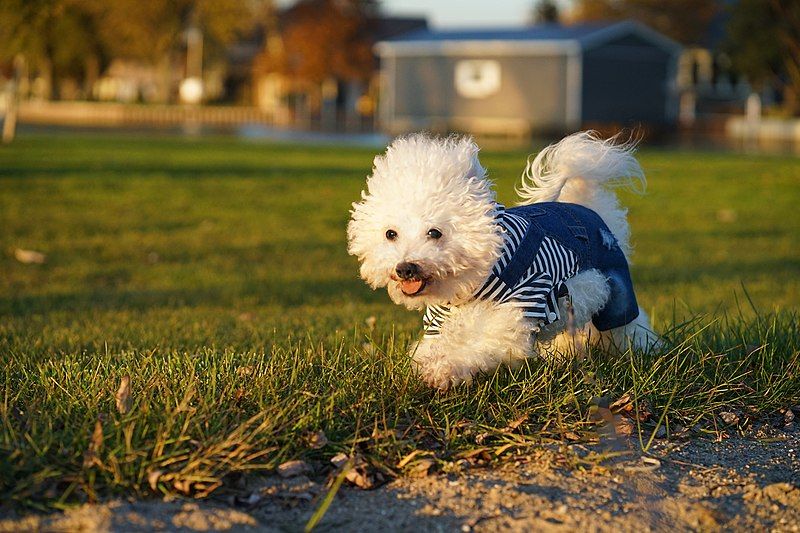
407,270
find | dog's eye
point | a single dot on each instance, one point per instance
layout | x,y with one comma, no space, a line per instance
434,233
391,234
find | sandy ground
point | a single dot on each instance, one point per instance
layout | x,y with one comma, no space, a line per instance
739,484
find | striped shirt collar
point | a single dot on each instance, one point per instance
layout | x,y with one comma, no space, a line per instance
534,288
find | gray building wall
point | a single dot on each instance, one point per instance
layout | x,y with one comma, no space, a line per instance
627,80
532,92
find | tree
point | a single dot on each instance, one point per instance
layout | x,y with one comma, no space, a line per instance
545,12
76,39
149,29
325,39
686,21
57,38
764,45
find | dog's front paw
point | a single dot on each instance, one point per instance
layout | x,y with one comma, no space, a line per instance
436,370
443,376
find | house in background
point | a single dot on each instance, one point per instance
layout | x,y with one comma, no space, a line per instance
547,78
710,91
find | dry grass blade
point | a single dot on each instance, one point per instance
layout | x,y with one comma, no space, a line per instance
408,458
326,502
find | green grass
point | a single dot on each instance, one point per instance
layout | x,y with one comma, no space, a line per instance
214,273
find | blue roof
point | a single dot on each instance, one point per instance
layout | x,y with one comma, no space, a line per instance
542,32
586,35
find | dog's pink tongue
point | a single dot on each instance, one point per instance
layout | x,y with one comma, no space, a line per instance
411,286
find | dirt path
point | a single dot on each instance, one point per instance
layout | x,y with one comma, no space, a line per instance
738,484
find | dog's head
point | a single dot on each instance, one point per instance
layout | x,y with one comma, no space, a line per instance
425,226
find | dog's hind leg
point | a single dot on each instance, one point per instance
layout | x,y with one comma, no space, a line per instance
588,294
636,335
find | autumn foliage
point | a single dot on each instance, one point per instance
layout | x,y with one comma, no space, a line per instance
323,39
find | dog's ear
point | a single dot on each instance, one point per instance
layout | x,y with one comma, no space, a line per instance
358,227
469,146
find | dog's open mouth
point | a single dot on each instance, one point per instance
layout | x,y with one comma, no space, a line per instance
412,287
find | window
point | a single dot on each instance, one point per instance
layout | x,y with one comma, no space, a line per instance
477,78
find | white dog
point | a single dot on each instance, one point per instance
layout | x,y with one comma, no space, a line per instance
500,285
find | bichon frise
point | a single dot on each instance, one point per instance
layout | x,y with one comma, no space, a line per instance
501,284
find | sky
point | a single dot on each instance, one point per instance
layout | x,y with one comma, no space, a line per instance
462,13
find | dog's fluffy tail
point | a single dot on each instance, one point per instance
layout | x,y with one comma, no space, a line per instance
583,169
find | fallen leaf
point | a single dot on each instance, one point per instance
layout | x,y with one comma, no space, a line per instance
621,404
29,257
153,477
729,418
626,406
91,457
123,396
359,477
356,470
182,485
518,422
421,467
317,440
293,468
623,426
339,460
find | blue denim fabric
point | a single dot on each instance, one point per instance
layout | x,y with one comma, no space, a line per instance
582,231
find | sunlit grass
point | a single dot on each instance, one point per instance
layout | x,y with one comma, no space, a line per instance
214,274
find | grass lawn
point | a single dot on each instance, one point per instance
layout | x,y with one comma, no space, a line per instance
214,273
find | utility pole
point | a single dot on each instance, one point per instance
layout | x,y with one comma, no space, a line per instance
191,89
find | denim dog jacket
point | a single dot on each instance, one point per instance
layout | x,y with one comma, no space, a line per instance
581,231
544,245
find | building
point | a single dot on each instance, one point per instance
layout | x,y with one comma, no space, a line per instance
547,78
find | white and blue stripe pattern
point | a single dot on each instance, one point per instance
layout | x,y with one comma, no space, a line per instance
535,292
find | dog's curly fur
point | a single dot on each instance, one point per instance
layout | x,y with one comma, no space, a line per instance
424,183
